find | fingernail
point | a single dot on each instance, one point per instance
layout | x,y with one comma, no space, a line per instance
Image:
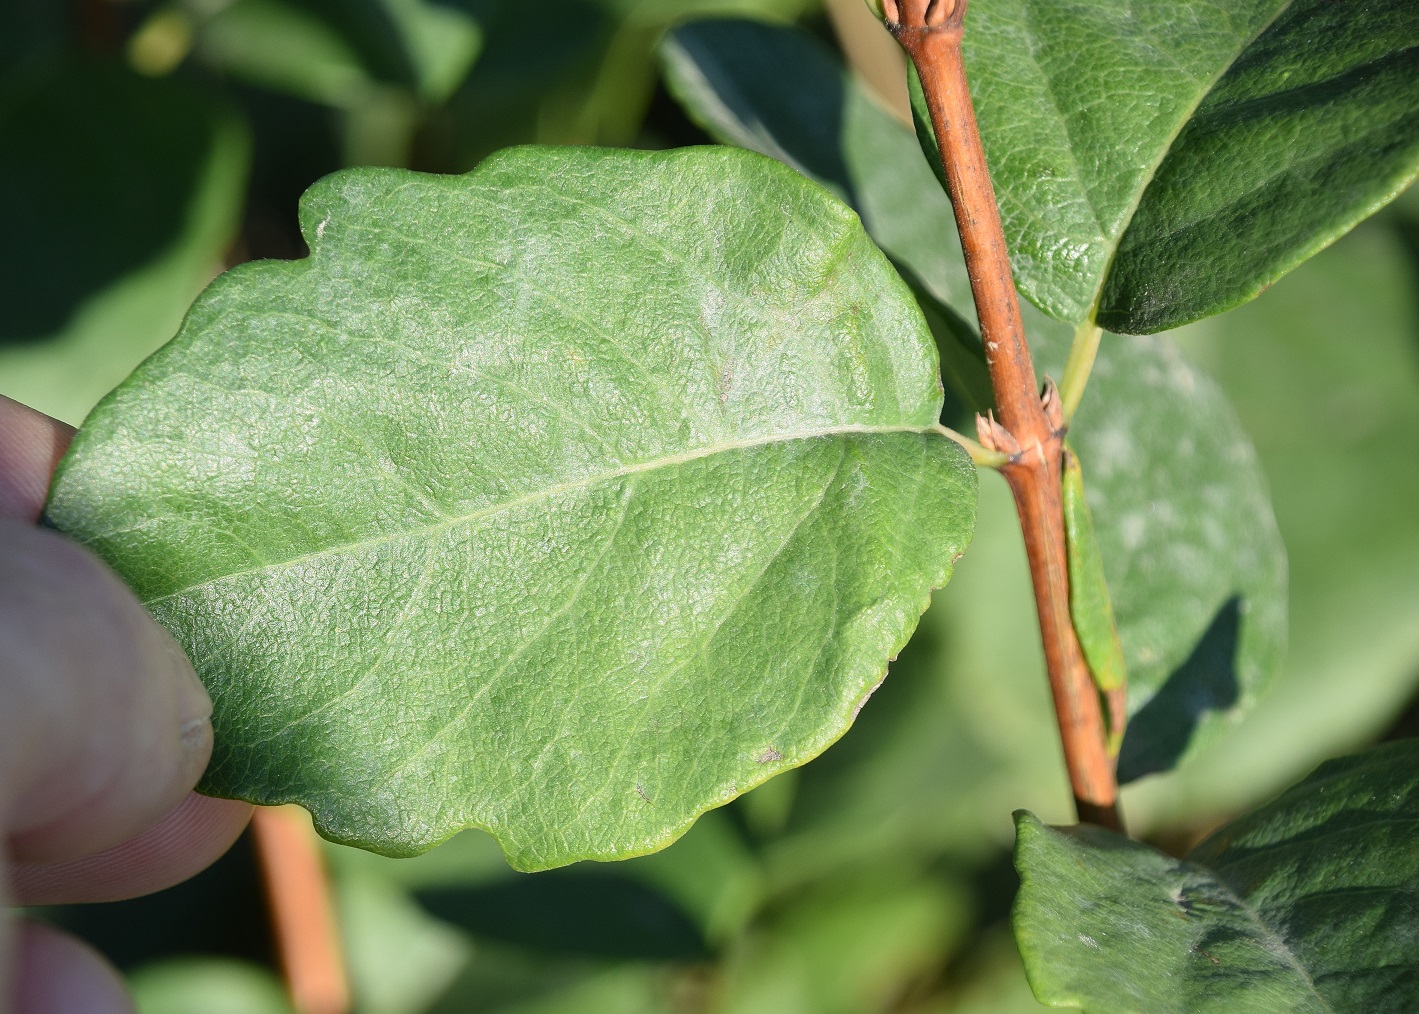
194,705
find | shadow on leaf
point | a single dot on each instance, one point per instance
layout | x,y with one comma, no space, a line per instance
1160,732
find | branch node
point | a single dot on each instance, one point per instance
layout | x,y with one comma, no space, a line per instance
1053,407
995,437
918,16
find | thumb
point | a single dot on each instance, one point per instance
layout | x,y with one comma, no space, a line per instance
105,727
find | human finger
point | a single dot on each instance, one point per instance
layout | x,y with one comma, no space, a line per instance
57,974
105,727
31,445
183,843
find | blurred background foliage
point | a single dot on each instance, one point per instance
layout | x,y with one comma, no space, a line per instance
147,146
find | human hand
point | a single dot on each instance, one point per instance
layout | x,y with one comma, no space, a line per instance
104,730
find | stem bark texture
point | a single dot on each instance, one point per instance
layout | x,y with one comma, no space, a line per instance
1026,426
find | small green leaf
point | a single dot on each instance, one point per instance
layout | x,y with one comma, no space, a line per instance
1089,603
567,499
1305,905
1188,154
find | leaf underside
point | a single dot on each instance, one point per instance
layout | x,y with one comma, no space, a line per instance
566,499
1194,560
1306,905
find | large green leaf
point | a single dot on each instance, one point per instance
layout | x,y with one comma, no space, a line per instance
1172,160
1185,527
1307,904
566,499
123,192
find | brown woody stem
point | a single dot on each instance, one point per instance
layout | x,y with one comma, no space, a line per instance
302,911
1030,428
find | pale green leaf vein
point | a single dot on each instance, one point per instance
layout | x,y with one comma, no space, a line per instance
575,485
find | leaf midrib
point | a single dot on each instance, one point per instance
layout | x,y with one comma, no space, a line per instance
1280,945
548,492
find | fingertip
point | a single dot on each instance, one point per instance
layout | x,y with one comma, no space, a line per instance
115,725
31,444
183,843
56,973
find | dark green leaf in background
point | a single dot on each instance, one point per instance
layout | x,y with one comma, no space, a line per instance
121,195
1324,372
1195,564
1185,528
336,51
566,499
1305,905
1174,159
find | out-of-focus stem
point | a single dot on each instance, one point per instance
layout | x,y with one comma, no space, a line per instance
302,910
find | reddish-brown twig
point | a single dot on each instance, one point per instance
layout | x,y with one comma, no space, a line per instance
1026,426
302,911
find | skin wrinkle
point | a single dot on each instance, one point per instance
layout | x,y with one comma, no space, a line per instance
98,744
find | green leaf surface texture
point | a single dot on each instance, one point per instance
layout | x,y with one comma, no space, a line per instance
1184,523
565,499
1305,905
1326,416
778,91
1174,159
